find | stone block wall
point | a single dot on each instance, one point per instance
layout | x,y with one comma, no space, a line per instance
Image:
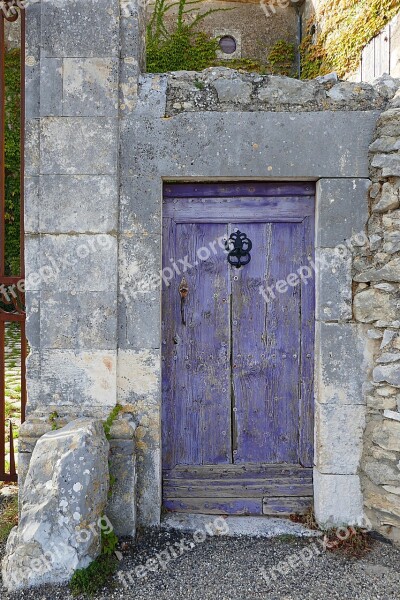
377,305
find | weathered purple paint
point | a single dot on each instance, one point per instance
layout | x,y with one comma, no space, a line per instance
237,371
241,189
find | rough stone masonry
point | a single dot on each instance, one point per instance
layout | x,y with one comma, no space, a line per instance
101,138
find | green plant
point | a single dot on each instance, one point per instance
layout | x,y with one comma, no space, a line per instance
108,423
12,135
90,580
53,420
346,27
8,517
183,47
281,58
113,481
109,542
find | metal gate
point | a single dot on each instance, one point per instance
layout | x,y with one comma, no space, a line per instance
12,298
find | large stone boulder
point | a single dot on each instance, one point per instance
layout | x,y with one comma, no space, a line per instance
62,509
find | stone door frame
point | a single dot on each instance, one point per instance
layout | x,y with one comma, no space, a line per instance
115,142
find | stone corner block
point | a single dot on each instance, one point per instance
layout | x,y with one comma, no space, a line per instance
333,285
121,508
338,500
339,438
74,28
78,145
342,210
90,87
342,358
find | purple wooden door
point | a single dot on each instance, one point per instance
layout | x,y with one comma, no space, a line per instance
238,369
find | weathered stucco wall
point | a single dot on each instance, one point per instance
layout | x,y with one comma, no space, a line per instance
101,139
256,26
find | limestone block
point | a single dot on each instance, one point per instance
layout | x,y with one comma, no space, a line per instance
121,507
32,146
387,435
389,199
149,487
138,378
234,90
381,403
78,263
373,304
32,300
381,473
73,380
342,356
389,123
342,210
385,144
392,242
63,507
133,32
31,212
378,499
388,357
140,206
268,145
73,28
389,373
389,272
32,60
333,285
32,264
152,94
287,90
392,220
78,198
339,438
88,320
139,322
139,263
345,91
389,163
33,379
78,145
90,87
338,500
128,77
51,87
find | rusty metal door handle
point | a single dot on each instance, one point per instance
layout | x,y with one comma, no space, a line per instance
183,292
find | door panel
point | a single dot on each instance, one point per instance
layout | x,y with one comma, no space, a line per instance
197,411
266,348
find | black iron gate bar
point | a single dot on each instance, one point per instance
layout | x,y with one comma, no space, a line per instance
12,308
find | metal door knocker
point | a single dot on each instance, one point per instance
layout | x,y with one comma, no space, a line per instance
239,247
183,292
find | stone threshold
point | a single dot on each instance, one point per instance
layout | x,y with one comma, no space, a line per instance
237,526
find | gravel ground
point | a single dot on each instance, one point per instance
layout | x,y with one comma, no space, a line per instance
222,568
